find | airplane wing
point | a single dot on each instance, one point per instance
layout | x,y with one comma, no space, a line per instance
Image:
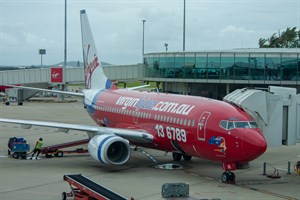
138,87
139,136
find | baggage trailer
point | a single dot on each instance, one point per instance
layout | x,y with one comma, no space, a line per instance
55,150
14,95
18,146
83,188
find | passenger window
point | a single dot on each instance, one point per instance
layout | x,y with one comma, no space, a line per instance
174,120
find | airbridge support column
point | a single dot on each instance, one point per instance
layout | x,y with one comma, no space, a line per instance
298,118
227,88
176,87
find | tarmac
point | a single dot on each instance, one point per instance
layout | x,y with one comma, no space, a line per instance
138,178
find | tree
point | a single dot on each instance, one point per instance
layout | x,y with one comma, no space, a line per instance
290,38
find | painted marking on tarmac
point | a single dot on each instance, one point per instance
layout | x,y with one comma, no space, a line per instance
3,156
34,158
243,185
267,192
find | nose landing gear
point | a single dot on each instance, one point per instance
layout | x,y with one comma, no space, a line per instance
228,177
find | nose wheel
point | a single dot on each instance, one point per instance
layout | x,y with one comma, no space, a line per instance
228,177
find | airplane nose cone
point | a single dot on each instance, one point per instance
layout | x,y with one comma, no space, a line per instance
254,144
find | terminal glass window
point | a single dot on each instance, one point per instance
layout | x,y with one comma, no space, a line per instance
189,60
179,61
241,66
189,66
148,61
289,67
155,63
163,61
273,68
257,67
170,61
227,62
213,69
201,65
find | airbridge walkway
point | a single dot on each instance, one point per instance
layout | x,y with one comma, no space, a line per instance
44,76
215,88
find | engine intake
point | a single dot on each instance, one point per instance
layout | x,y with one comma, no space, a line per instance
109,149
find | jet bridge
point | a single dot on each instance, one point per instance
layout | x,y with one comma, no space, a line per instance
276,110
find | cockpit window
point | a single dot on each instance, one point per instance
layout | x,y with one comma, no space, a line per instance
241,124
253,125
223,124
228,125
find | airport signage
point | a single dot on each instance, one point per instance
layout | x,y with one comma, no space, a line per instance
56,75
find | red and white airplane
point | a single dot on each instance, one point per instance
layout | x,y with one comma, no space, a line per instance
184,125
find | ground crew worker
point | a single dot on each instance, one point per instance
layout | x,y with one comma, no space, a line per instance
37,148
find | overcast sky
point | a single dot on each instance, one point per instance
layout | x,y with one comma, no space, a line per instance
29,25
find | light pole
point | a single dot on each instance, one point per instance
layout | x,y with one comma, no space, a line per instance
143,48
183,48
65,49
166,45
42,52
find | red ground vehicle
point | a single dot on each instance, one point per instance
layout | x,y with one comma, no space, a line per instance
56,150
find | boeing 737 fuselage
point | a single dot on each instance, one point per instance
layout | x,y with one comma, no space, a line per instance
187,126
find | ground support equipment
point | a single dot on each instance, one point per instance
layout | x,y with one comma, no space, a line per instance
18,147
83,188
55,150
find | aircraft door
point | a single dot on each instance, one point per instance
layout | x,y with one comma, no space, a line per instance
201,127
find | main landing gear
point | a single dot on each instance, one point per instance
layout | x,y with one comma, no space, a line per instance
228,177
178,156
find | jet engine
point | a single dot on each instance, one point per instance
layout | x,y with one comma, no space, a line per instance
109,149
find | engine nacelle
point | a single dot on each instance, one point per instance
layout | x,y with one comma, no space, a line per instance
109,149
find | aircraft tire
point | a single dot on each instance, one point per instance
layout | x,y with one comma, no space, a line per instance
176,156
187,158
228,177
225,177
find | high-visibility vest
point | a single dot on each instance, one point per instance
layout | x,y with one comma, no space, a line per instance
39,144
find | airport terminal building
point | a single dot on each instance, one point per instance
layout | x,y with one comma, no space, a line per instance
217,73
